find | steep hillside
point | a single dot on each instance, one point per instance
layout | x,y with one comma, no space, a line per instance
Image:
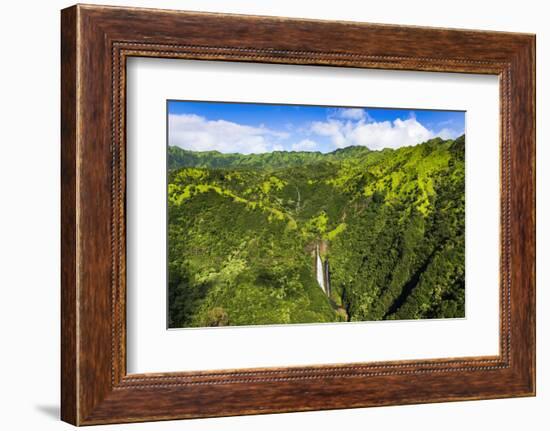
244,231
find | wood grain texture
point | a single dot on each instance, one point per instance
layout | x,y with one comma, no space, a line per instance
69,366
96,41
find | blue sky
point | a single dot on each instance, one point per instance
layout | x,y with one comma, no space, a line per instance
257,128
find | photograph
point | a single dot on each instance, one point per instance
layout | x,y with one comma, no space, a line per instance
300,214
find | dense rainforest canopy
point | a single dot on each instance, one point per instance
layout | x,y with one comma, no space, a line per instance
244,231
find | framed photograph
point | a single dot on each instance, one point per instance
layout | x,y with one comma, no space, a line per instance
264,214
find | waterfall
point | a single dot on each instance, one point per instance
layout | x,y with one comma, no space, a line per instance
320,270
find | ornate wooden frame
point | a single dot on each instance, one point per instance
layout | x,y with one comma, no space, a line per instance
95,42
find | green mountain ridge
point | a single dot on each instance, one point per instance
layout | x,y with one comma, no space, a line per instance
243,230
178,157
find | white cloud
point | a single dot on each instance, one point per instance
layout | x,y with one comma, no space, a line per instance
193,132
351,113
305,145
386,134
377,135
334,129
445,123
447,133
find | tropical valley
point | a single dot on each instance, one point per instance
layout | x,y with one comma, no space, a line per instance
285,237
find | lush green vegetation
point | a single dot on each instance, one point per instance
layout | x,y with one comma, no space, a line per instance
243,230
